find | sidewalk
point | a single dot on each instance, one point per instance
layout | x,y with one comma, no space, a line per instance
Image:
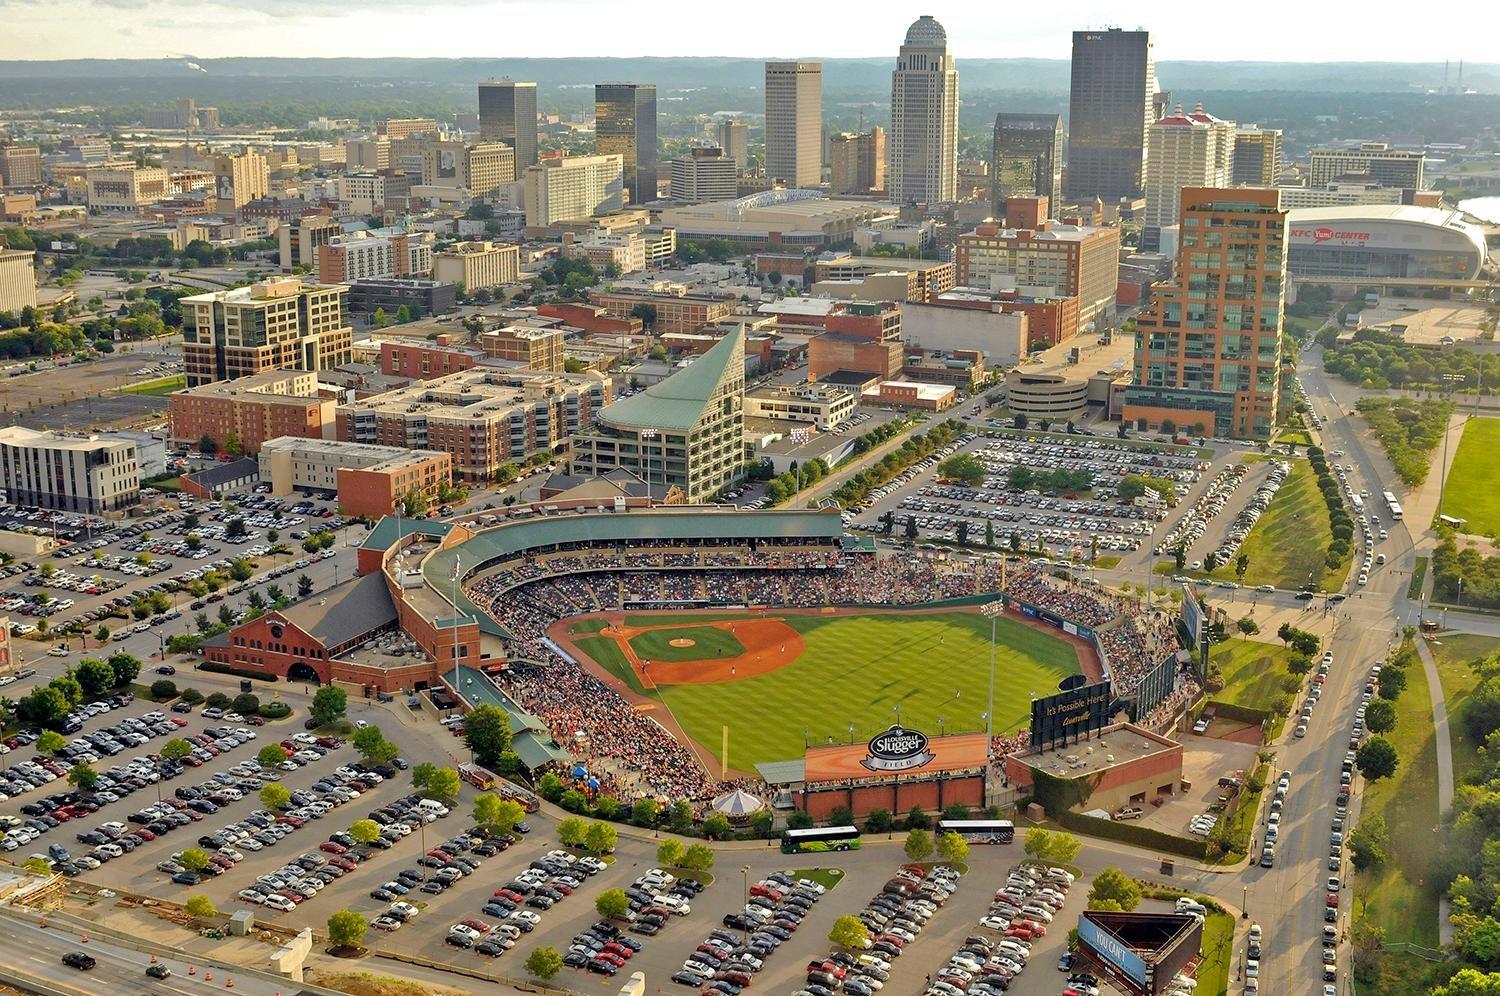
1444,763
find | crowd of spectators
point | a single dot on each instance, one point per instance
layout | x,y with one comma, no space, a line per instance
633,755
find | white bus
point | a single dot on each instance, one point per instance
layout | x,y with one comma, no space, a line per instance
980,831
1392,504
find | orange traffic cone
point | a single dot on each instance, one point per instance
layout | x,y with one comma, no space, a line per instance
44,921
208,976
229,984
85,937
192,969
153,958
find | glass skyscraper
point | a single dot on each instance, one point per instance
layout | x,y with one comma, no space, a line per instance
625,126
1109,109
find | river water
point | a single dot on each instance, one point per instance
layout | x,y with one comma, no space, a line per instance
1486,208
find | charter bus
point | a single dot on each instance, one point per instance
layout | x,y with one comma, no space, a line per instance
980,831
819,839
1392,504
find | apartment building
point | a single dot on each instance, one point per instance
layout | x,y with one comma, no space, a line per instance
1184,149
362,255
483,418
366,479
300,240
250,410
394,128
1382,164
420,359
574,187
278,323
359,194
880,278
686,431
472,265
682,312
126,189
373,154
247,174
1257,156
17,279
88,474
1040,256
536,348
20,166
1208,348
479,169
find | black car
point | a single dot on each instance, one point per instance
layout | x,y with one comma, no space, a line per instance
78,960
456,940
166,669
574,959
158,971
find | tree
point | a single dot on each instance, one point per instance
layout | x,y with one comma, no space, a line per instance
849,932
178,748
304,585
1113,884
487,732
917,819
918,844
442,785
504,816
963,468
50,742
102,633
612,903
544,962
669,853
83,776
1062,848
346,929
37,865
163,689
1376,758
601,837
698,857
952,848
217,700
716,826
95,677
364,831
269,756
193,859
1370,842
572,830
246,704
199,907
328,705
1470,982
275,796
1393,683
1380,716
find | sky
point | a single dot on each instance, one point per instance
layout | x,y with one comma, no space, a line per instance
1183,29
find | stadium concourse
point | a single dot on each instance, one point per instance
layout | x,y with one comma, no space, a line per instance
522,577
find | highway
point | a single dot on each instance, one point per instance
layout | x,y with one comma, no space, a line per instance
35,953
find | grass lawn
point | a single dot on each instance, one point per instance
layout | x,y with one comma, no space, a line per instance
1252,671
1107,561
1296,437
707,641
1453,653
1471,492
159,387
1218,951
1391,897
1418,576
606,652
828,878
1287,545
857,671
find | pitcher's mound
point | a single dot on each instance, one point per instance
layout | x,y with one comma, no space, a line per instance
683,641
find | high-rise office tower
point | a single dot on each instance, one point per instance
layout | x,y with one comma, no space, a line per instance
857,162
625,126
922,150
1208,349
507,113
1257,156
794,122
734,139
1382,164
1184,149
1027,160
1109,109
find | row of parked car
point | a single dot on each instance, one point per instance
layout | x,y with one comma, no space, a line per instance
518,903
726,962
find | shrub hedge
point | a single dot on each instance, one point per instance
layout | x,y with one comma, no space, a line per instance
239,672
1133,833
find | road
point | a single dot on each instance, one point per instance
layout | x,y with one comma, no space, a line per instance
35,953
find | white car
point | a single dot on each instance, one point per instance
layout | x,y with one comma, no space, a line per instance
280,903
526,916
995,923
251,896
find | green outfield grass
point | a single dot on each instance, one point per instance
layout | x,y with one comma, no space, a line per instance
1471,492
856,670
708,643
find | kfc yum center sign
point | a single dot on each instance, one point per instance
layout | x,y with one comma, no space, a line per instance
1327,235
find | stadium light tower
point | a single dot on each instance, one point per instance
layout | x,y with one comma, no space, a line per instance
991,611
646,453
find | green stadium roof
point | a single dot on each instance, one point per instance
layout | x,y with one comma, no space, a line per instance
676,404
387,531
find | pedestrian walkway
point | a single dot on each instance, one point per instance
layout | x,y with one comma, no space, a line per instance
1444,762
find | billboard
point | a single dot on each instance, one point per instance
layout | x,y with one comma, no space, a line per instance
1069,715
1192,613
1155,687
897,749
1112,950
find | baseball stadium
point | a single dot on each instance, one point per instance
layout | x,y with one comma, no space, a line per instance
677,651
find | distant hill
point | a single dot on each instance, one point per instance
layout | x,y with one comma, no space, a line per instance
675,73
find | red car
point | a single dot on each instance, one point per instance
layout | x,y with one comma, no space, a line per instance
178,722
62,814
615,948
191,761
255,721
476,924
144,834
295,897
893,940
1038,929
332,743
1333,900
295,821
1023,933
510,894
610,957
765,890
332,848
339,861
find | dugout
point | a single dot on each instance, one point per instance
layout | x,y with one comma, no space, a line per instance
895,770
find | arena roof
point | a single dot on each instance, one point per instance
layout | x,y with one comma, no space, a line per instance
390,529
1404,227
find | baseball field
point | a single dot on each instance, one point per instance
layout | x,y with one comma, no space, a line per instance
782,678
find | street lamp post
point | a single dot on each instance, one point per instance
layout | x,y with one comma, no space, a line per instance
992,611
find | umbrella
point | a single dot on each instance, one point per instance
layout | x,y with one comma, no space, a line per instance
737,803
579,771
592,783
